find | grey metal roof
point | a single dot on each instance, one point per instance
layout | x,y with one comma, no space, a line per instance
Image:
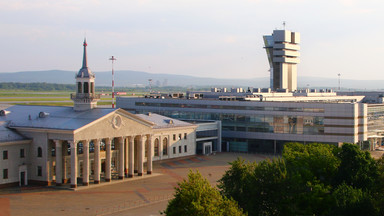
65,118
60,118
163,121
8,135
85,72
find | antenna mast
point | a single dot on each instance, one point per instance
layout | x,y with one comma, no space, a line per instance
113,59
339,80
150,85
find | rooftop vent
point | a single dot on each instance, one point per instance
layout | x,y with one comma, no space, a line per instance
4,112
43,114
169,121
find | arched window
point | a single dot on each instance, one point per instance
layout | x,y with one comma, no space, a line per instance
156,147
39,152
79,89
165,146
86,87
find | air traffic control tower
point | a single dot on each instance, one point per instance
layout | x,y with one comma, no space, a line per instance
283,54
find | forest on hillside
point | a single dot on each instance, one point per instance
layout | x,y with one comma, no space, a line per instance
16,86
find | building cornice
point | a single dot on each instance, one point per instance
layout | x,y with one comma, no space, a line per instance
16,142
44,130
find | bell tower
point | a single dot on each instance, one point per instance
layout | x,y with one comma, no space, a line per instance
85,97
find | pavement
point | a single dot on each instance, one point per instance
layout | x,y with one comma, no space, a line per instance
146,195
376,154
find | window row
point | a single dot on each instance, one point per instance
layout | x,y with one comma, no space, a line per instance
21,154
180,148
211,106
180,136
311,125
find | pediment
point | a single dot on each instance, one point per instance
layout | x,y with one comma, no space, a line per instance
119,123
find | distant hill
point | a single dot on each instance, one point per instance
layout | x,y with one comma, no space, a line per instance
137,78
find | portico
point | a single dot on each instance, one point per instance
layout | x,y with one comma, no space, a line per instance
120,148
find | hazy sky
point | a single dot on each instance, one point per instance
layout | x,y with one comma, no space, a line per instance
211,38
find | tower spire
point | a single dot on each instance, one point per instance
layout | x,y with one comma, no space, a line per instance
85,62
85,97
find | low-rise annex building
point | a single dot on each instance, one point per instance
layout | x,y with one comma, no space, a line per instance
85,144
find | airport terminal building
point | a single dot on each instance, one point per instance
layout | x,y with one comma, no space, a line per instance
262,120
253,125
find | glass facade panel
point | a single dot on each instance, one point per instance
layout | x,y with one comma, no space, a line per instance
285,124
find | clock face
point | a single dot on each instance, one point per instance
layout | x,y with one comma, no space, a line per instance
116,121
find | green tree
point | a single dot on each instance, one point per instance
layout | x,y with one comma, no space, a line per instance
357,168
314,161
236,182
196,196
260,188
312,179
353,201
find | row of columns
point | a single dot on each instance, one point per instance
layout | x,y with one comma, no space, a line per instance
127,166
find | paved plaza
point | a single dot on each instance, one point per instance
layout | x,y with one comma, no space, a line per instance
147,195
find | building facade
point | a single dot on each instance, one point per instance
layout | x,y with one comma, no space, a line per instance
254,125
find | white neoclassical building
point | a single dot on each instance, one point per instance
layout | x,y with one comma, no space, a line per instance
85,144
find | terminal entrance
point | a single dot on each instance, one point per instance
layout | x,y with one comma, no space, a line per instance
207,148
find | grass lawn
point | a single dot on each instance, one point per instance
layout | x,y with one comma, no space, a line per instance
55,98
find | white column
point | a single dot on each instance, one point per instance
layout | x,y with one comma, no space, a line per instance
126,164
150,154
136,153
140,154
131,156
121,157
85,162
97,161
65,172
59,162
73,163
108,159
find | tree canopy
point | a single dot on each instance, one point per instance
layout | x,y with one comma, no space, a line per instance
195,196
313,179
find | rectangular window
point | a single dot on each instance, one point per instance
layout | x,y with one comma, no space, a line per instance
185,148
39,171
179,136
174,136
22,153
5,173
5,155
179,149
185,135
174,150
53,151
